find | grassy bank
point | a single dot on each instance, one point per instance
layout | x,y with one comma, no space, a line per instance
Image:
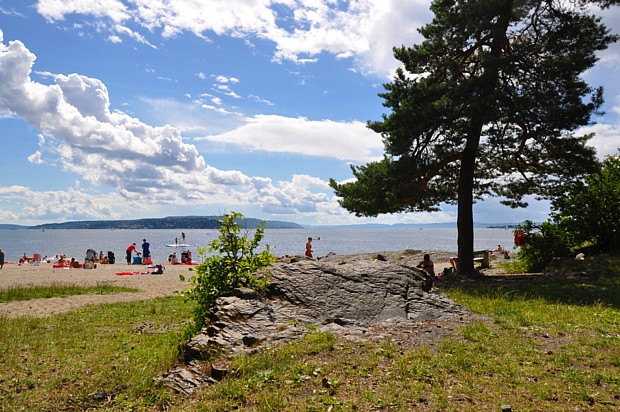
101,357
549,345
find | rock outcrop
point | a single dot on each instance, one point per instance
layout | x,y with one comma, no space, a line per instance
348,295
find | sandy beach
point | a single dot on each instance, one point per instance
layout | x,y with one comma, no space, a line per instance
150,286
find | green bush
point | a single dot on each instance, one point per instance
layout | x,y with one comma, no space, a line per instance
584,219
232,263
542,244
590,208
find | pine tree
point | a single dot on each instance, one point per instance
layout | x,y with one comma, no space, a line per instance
486,105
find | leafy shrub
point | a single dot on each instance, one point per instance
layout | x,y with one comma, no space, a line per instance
590,208
584,219
542,244
232,263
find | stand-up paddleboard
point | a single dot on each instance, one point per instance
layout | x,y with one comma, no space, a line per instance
177,243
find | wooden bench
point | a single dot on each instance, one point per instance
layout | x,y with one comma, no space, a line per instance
483,258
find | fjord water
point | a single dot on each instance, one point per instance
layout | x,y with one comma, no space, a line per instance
74,242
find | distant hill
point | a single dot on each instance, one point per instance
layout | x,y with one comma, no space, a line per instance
170,222
12,227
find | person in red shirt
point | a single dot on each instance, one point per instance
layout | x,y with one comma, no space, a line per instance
131,248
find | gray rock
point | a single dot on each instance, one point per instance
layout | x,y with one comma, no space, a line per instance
341,294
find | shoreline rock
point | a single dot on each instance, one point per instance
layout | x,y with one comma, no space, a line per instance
358,297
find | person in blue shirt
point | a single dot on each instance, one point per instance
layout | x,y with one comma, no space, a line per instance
146,253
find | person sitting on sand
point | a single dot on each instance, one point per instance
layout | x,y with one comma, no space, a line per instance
74,264
428,265
62,261
173,258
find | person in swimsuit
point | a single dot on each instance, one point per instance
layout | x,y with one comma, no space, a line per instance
428,265
309,248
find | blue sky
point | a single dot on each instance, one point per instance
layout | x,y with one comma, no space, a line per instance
127,109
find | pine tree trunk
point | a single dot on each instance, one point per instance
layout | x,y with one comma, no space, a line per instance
479,114
465,219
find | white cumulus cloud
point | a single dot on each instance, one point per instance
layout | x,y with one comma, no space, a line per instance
364,30
112,149
349,141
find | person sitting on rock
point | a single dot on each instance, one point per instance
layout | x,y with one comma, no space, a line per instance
427,265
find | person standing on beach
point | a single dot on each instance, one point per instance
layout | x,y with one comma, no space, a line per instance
131,248
146,252
1,259
309,248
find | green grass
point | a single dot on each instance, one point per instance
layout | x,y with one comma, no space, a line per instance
57,290
102,357
549,345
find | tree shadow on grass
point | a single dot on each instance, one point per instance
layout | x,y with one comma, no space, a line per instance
592,282
570,291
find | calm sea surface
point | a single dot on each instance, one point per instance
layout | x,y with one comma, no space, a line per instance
74,243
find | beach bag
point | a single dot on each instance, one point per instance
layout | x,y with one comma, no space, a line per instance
159,270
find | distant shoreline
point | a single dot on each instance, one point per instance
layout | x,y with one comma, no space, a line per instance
212,222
